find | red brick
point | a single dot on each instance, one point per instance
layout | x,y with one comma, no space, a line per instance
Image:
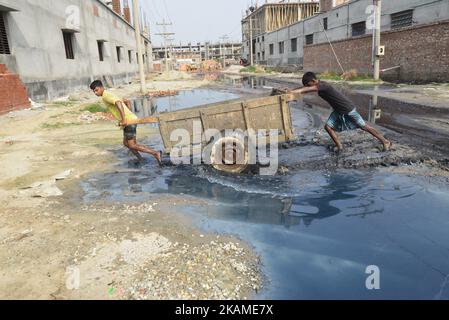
13,94
420,51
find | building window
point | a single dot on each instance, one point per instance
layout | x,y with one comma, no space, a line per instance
271,49
358,29
309,39
263,38
325,23
263,55
119,54
100,50
281,47
68,44
130,57
402,19
294,44
4,44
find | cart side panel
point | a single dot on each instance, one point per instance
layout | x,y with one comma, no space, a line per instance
192,126
259,113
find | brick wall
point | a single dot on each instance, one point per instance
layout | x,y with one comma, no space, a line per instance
127,14
117,7
13,94
422,52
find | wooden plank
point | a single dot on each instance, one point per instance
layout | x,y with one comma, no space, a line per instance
204,122
286,118
246,115
143,121
165,136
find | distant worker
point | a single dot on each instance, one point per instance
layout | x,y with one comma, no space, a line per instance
121,110
345,115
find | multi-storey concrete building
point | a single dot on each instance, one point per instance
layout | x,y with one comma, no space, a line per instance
195,53
415,34
58,46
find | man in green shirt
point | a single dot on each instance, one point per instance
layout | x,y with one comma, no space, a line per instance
121,110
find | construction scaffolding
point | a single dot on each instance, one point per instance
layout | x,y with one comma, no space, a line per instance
274,16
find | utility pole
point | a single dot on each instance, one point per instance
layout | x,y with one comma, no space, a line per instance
223,57
207,50
165,35
378,8
139,46
251,49
172,53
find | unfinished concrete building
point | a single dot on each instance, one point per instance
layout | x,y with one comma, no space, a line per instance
271,17
56,47
229,51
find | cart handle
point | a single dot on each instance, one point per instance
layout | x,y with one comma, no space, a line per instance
143,121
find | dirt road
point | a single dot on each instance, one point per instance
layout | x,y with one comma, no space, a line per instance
55,246
52,246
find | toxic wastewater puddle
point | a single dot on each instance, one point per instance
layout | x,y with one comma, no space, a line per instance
316,232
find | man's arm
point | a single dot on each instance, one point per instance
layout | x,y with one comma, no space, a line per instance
128,104
305,90
120,108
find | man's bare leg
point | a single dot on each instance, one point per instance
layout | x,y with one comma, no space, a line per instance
136,153
139,148
334,137
378,136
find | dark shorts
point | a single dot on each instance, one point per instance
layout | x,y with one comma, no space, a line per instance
342,122
130,132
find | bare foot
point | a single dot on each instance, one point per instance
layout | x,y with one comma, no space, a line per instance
387,145
338,149
158,157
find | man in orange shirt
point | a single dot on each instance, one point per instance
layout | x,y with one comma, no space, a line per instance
121,110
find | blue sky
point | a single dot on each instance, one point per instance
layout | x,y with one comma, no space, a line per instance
196,20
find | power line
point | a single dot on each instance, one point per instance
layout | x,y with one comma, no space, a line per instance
155,9
166,11
166,35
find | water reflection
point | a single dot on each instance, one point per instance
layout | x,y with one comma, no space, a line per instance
374,111
149,106
311,228
253,199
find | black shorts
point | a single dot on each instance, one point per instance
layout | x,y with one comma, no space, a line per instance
130,132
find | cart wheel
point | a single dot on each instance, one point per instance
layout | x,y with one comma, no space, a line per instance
229,153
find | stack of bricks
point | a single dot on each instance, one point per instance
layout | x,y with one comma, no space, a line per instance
13,93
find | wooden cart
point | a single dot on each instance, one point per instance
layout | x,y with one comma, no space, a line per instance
267,112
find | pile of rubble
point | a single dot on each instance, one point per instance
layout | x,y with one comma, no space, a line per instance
210,65
94,117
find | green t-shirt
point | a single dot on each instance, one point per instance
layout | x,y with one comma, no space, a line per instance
110,99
